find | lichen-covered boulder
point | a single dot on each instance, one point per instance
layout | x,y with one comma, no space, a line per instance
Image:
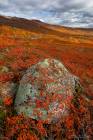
46,90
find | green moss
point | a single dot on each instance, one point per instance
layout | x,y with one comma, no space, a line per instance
2,115
1,102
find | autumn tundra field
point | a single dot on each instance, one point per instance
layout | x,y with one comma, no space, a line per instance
24,43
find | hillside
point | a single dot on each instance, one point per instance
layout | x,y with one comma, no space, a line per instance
25,42
73,46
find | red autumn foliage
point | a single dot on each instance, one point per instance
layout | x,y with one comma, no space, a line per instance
2,63
8,101
4,77
18,51
23,128
70,127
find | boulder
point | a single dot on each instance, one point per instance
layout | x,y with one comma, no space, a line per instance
46,90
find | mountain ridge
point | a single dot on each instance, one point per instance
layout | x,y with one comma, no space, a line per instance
27,23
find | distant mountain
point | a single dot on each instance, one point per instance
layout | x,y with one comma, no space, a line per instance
41,27
33,25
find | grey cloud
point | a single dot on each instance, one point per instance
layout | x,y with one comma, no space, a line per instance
69,13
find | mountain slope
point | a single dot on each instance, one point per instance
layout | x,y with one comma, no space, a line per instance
74,47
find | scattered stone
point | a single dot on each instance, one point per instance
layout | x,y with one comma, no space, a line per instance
8,89
4,69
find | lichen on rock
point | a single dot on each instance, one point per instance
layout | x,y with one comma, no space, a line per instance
46,90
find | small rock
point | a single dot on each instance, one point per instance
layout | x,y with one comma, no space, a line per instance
8,89
4,69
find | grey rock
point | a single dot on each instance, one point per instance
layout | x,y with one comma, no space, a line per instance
51,78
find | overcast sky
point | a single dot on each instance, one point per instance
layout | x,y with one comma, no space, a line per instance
74,13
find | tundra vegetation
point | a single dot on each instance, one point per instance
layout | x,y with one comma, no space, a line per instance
19,50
